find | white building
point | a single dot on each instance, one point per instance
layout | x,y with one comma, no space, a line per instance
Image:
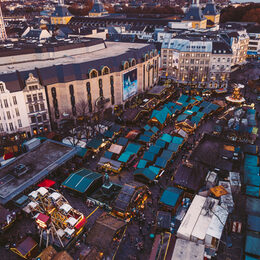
254,41
24,110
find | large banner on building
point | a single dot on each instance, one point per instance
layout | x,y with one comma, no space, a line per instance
129,84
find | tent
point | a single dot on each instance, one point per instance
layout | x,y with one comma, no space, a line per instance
116,148
145,175
161,115
161,162
132,135
46,183
108,154
171,196
141,164
149,133
154,129
83,181
253,206
155,169
149,156
147,127
253,191
251,170
166,137
181,117
251,149
133,148
154,149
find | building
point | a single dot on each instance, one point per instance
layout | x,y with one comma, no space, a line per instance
23,107
195,15
36,34
98,9
97,73
197,59
3,35
61,15
254,41
211,14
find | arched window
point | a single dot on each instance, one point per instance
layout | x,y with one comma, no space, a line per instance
105,70
133,62
126,65
93,73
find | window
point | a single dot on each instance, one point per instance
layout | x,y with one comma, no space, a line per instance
1,127
6,102
93,74
192,61
2,87
34,97
29,98
8,114
14,100
33,119
40,96
202,62
31,109
36,107
44,117
17,111
42,106
218,59
11,126
39,119
20,123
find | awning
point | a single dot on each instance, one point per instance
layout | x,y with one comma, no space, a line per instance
147,127
177,140
154,129
46,183
167,154
252,243
160,143
173,147
251,160
144,139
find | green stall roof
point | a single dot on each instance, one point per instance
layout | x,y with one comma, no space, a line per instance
133,148
145,173
170,196
154,149
252,243
142,164
161,162
124,157
251,160
81,180
177,140
253,191
94,143
161,115
253,223
149,156
166,137
173,147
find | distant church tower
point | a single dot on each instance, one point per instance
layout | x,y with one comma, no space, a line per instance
3,35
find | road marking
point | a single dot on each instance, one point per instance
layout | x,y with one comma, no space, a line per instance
119,244
92,212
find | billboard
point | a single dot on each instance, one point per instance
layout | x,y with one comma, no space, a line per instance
129,84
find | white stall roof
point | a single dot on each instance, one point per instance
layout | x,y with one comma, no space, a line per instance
187,250
66,207
69,231
55,196
33,194
42,191
72,221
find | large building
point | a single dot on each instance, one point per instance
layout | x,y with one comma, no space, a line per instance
61,15
211,14
23,106
98,9
254,41
202,60
101,74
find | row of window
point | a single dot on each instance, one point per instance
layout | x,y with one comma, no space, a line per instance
223,59
38,119
34,97
11,126
33,87
6,104
36,108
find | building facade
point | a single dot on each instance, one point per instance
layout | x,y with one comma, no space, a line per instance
61,15
196,60
211,14
254,41
24,110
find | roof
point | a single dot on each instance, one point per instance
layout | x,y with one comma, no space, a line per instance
63,255
166,137
210,9
122,141
146,174
194,14
98,8
252,243
170,196
154,149
116,148
94,143
61,11
81,180
253,223
133,148
26,246
106,226
47,253
125,156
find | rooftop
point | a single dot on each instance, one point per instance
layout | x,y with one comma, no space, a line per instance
52,155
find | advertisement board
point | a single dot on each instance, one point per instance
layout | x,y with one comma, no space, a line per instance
129,84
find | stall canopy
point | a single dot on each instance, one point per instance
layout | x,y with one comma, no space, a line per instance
82,152
167,154
133,148
183,98
149,133
46,183
253,206
142,164
251,170
83,180
149,156
251,160
161,115
125,156
173,147
154,149
160,143
155,169
110,164
195,109
122,141
161,162
253,223
115,128
253,191
115,148
171,196
147,127
166,137
109,134
252,243
108,154
145,174
95,143
154,129
182,117
177,140
144,138
250,148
